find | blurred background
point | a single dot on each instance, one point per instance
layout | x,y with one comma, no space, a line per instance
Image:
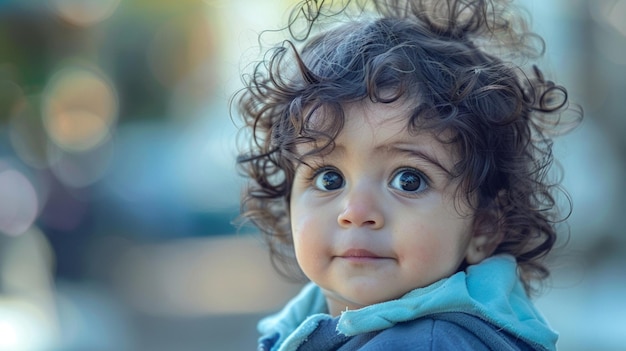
118,188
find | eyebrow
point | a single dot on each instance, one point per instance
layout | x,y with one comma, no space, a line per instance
410,149
413,151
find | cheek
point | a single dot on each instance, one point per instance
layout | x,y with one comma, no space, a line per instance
311,246
305,227
306,215
438,241
424,248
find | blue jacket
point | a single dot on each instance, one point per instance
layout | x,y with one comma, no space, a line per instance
484,308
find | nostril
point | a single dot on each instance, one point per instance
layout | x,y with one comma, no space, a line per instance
366,223
361,214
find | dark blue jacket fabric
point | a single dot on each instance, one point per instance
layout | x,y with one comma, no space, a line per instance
441,332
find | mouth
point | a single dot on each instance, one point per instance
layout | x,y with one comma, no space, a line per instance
361,255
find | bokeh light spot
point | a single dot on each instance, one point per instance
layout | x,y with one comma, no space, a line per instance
18,205
78,170
23,326
80,107
84,13
28,136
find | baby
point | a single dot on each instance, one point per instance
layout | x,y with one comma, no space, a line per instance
399,157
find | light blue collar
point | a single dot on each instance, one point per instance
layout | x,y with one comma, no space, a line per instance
490,290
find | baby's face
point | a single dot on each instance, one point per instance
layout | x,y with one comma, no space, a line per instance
376,218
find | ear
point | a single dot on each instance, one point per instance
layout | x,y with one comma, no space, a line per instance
487,234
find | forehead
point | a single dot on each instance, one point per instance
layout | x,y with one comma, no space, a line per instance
327,117
386,124
401,115
394,116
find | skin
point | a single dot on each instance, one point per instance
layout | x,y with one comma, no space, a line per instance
376,217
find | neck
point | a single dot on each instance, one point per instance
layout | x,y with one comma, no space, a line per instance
337,303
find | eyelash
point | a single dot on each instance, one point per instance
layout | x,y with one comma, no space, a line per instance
319,170
423,186
315,170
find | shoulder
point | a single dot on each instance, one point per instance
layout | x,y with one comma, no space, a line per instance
445,331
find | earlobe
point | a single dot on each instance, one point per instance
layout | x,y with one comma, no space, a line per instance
481,246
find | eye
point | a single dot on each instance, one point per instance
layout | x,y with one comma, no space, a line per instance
409,180
328,179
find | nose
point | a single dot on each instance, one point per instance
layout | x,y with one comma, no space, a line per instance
361,208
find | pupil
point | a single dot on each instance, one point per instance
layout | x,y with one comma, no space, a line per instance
331,181
409,181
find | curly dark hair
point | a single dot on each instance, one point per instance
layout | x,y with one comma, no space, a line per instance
456,61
